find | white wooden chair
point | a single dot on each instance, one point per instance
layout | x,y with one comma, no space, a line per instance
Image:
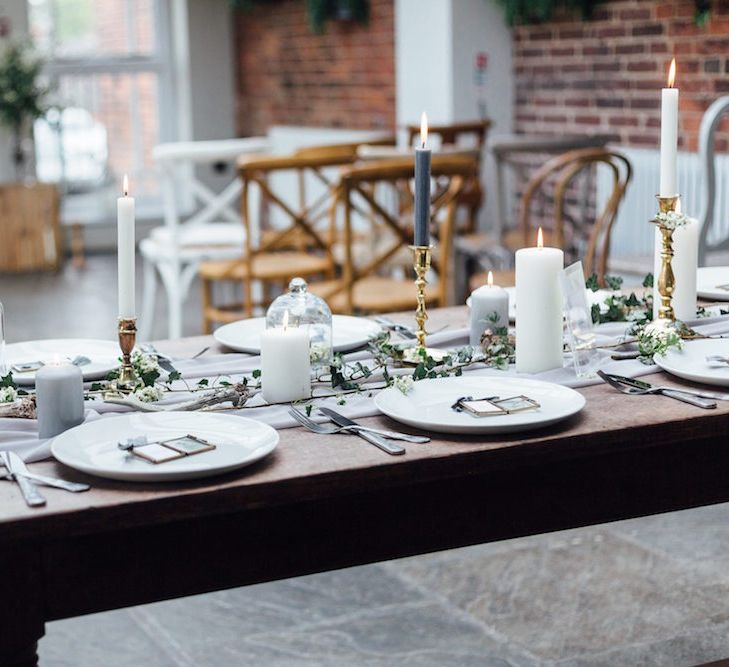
213,230
708,219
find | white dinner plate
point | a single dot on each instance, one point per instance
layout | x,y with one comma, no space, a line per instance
92,446
592,298
690,361
428,405
348,333
104,356
708,279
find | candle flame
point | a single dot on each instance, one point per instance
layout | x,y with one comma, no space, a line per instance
286,320
490,279
125,186
540,238
672,74
423,129
56,359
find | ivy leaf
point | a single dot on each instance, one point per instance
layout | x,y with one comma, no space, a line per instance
174,375
591,283
614,282
648,280
256,373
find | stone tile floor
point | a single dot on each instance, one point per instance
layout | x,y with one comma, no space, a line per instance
651,591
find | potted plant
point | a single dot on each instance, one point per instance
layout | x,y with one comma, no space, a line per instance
21,96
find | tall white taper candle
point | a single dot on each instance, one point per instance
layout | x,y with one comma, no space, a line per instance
125,250
669,136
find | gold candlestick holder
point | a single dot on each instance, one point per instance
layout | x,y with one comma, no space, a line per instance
421,264
666,278
127,330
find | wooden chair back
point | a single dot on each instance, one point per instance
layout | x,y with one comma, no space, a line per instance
30,237
451,134
559,174
357,186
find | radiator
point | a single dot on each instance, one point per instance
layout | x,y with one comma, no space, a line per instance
632,235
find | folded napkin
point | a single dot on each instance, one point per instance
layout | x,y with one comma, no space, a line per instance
21,435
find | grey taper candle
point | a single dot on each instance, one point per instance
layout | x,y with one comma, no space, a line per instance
422,187
59,398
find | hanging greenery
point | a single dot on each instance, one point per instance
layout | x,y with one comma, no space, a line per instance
318,12
539,11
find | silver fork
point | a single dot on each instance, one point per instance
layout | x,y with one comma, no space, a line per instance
635,389
327,429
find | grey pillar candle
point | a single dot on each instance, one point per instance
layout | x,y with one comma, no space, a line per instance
59,390
422,187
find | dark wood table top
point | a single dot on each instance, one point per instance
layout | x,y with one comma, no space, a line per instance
307,466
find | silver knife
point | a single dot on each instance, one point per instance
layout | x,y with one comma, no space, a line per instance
19,468
32,496
376,440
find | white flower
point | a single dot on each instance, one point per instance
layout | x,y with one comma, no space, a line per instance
148,394
145,363
8,394
404,383
673,220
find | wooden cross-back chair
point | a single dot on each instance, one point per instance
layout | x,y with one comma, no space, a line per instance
272,257
369,285
451,135
587,240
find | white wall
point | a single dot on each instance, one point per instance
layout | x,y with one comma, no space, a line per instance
423,57
436,42
15,12
480,26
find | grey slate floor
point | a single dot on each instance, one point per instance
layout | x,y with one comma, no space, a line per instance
651,591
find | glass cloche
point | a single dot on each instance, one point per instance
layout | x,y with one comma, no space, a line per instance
305,310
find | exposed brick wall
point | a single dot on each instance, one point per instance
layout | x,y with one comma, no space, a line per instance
605,75
289,75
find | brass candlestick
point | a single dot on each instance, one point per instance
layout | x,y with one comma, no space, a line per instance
421,264
666,278
127,330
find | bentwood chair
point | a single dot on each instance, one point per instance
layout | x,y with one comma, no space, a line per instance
371,283
297,241
466,135
580,238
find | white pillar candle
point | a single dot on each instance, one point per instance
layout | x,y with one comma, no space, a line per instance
539,315
489,309
59,398
285,364
125,250
685,263
669,136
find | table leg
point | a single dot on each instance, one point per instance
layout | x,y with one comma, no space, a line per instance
23,657
21,614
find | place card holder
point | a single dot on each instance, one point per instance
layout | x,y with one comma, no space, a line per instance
27,367
163,451
581,338
493,406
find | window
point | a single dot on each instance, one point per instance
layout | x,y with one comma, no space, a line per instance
110,72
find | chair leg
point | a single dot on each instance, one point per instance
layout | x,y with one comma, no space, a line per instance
77,245
207,303
149,296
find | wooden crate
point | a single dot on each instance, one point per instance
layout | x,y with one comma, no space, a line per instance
30,237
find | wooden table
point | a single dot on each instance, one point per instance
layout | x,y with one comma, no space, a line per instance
326,502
